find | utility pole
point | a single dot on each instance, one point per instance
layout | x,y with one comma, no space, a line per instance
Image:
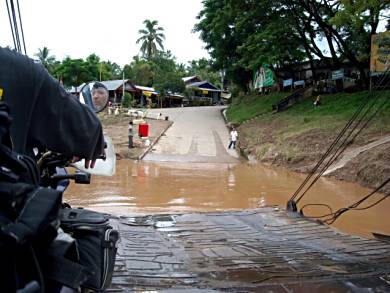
123,85
100,79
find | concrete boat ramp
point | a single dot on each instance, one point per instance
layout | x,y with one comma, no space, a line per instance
260,250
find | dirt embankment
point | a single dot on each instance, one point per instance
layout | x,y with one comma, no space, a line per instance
262,140
116,127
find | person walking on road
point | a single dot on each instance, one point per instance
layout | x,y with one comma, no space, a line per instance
233,138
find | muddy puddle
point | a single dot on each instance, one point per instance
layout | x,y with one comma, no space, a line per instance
149,188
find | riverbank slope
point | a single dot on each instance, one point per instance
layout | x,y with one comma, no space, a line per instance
297,137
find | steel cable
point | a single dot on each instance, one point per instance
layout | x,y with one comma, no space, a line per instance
335,142
312,172
11,25
354,206
345,143
17,38
21,27
19,48
339,212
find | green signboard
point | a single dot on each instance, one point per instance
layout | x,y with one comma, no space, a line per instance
263,77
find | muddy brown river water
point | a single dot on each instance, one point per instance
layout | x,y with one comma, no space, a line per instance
149,188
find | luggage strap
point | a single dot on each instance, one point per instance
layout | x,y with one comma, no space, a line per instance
64,271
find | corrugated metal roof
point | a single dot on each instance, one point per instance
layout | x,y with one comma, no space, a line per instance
176,95
173,94
147,89
185,79
113,85
203,85
144,88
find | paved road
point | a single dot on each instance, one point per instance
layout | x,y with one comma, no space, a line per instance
198,134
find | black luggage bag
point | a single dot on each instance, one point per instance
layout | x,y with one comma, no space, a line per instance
96,242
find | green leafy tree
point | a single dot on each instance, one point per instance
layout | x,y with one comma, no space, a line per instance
110,70
45,58
345,25
152,36
204,69
161,72
74,72
242,35
219,31
142,72
167,74
357,21
92,66
127,100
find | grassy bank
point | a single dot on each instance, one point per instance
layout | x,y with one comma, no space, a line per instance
297,137
252,105
335,110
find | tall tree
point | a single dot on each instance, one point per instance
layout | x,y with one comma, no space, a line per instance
139,71
152,36
241,35
167,73
162,72
110,70
204,69
45,58
224,26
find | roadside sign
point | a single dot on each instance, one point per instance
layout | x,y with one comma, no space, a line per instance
264,77
287,82
299,82
380,52
338,74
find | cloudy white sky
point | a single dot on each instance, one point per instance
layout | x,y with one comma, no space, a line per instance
107,28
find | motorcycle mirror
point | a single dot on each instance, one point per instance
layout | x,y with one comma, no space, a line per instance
95,95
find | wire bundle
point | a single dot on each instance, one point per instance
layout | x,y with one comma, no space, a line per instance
14,18
364,114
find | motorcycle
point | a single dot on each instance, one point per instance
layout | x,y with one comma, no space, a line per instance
56,248
87,227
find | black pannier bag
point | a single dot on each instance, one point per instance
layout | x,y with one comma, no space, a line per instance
29,226
96,241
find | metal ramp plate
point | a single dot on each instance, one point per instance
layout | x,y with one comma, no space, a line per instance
245,251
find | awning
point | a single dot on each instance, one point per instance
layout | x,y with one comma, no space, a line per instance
149,93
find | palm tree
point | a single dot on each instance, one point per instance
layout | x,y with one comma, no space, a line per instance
44,58
150,36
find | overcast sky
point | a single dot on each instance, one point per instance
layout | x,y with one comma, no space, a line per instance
107,28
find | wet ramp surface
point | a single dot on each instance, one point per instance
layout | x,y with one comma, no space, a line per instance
245,251
198,134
